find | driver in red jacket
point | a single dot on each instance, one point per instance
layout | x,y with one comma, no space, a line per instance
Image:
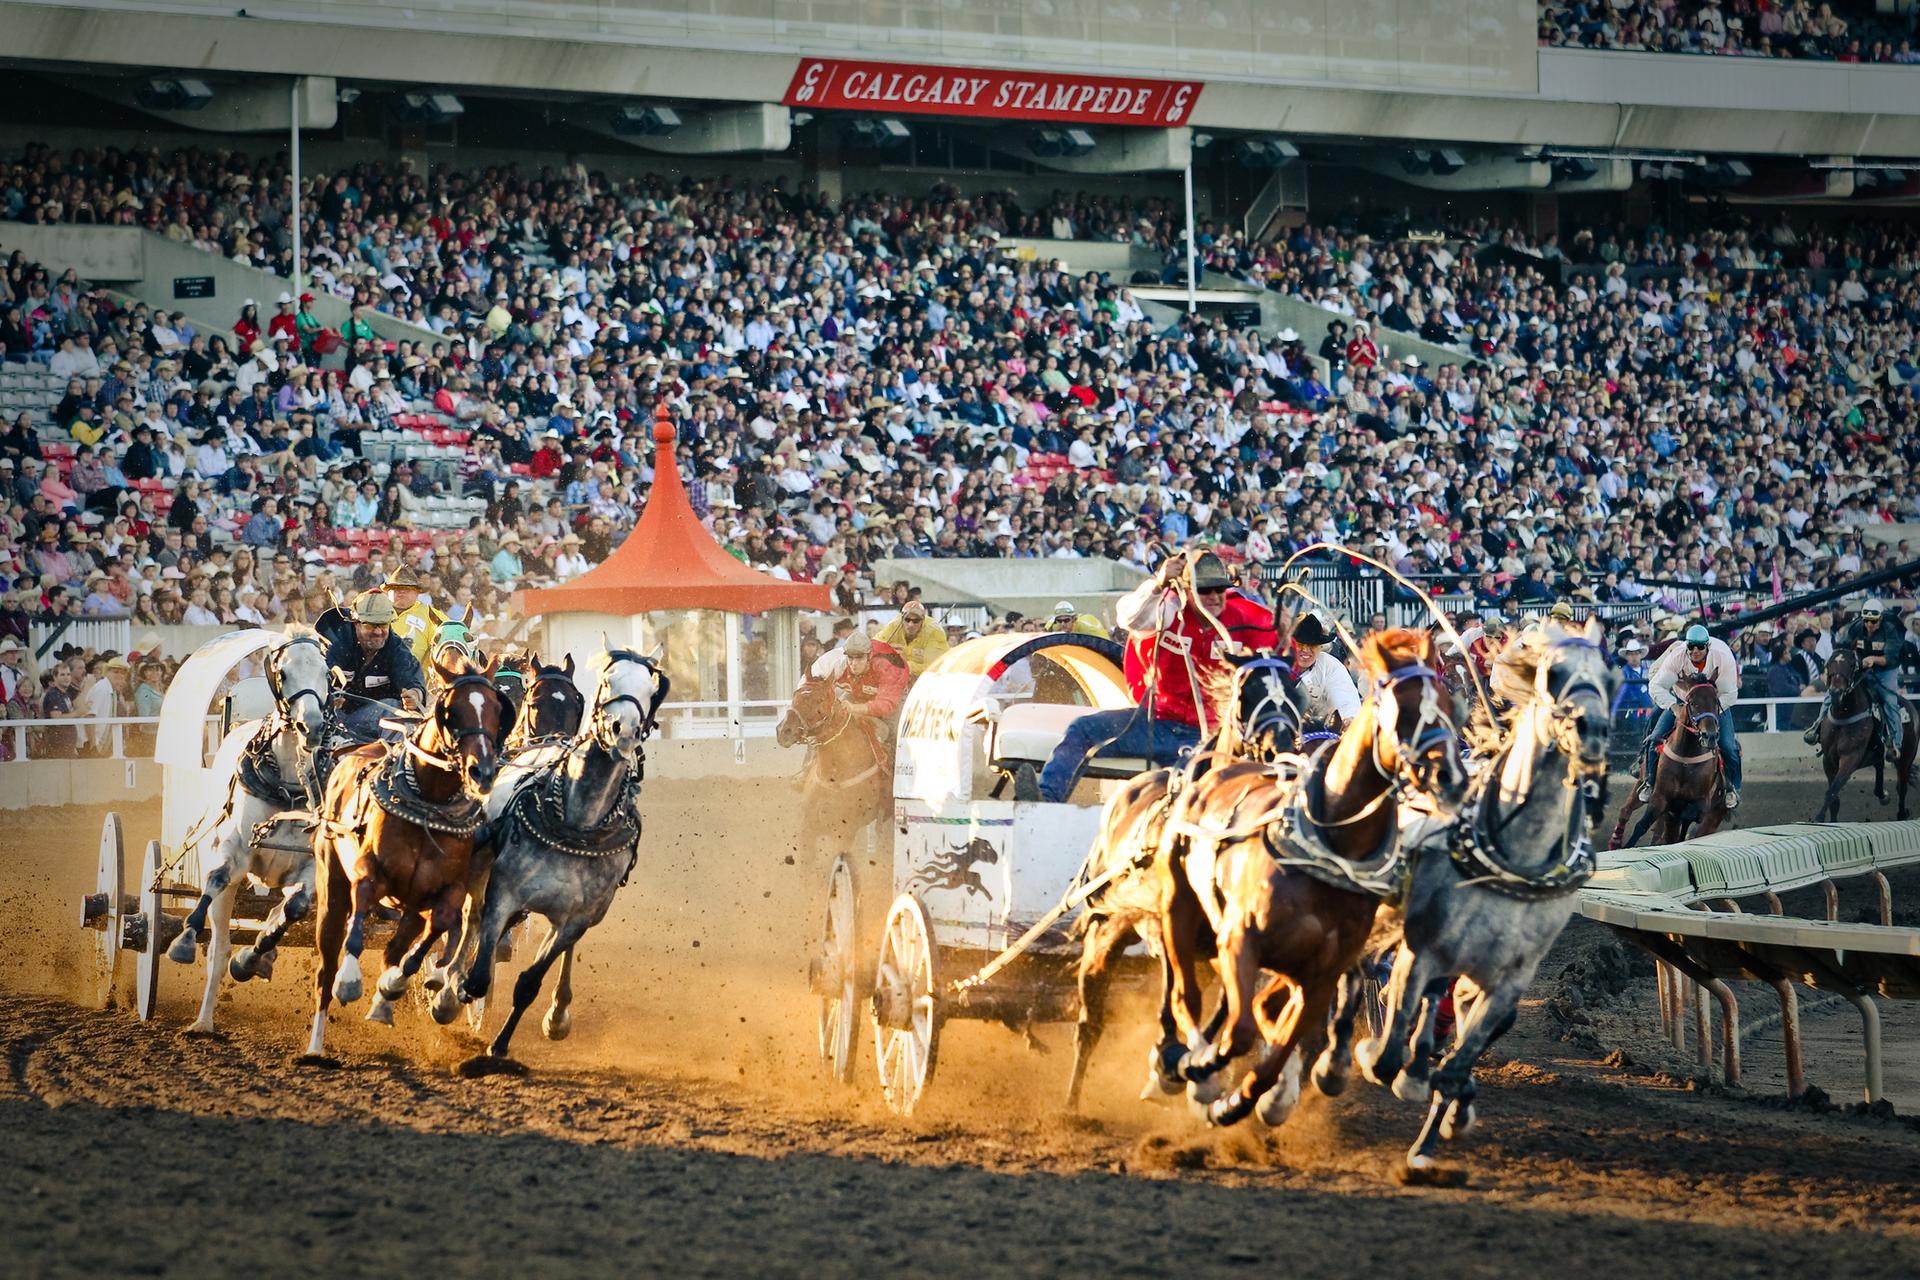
1173,623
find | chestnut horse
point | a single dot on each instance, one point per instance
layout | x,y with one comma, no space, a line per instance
848,784
1259,722
1687,783
1266,870
397,825
1850,737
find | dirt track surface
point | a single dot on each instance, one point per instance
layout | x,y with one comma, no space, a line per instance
684,1126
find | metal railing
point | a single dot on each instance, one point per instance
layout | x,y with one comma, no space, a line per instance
18,735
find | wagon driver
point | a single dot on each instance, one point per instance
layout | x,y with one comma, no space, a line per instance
380,671
1177,625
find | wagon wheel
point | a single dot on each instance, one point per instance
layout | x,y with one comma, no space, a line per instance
836,972
102,909
904,1010
146,990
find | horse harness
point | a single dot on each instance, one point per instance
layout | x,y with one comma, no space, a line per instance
540,805
1475,848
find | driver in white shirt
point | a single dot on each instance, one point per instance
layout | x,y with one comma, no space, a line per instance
1325,688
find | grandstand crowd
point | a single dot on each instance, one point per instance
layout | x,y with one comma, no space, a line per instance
1834,32
1634,413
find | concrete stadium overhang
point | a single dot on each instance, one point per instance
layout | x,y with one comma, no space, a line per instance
1838,110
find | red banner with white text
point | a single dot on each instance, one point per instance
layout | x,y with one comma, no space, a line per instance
1066,98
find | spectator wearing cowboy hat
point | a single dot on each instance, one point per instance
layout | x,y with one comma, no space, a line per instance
1632,694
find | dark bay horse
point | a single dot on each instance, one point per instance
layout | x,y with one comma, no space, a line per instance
548,707
1850,737
1262,726
1264,860
848,783
1688,784
397,825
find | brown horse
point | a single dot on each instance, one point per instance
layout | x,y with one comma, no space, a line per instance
1688,785
1850,737
397,825
1261,872
848,783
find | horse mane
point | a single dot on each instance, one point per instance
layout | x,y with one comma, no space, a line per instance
1393,650
301,631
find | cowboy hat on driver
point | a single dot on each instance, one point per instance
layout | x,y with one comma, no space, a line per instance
406,580
373,607
1312,630
1562,611
1209,573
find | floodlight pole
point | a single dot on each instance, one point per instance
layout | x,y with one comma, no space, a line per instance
294,181
1193,302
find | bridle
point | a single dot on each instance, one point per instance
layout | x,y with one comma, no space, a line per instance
286,704
829,725
456,761
605,731
1273,713
1566,712
1693,720
1434,728
552,679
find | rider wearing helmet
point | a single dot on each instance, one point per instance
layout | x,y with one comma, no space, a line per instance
381,672
914,638
1700,654
872,677
1879,645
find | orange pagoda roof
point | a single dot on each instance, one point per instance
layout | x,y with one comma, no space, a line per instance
670,561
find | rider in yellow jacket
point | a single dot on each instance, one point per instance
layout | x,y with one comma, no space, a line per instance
917,640
414,620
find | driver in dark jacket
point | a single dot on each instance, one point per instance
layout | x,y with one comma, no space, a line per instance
381,671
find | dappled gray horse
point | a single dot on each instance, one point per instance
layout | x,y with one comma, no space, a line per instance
563,845
1492,890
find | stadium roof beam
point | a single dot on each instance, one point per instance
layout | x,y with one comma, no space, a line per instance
687,131
1080,150
256,104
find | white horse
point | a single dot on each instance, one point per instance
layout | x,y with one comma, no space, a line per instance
1492,891
271,778
563,846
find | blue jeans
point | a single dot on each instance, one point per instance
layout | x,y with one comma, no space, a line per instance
1729,746
1112,733
1880,685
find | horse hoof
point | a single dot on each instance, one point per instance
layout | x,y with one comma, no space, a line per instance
446,1006
263,963
1328,1079
184,950
200,1030
1424,1171
557,1025
1366,1055
392,984
1277,1103
380,1011
503,949
1227,1111
486,1064
346,990
1409,1088
1458,1122
244,966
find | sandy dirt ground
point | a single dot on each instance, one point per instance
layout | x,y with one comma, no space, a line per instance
686,1126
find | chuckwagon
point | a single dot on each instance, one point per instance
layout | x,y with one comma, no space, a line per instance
964,910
